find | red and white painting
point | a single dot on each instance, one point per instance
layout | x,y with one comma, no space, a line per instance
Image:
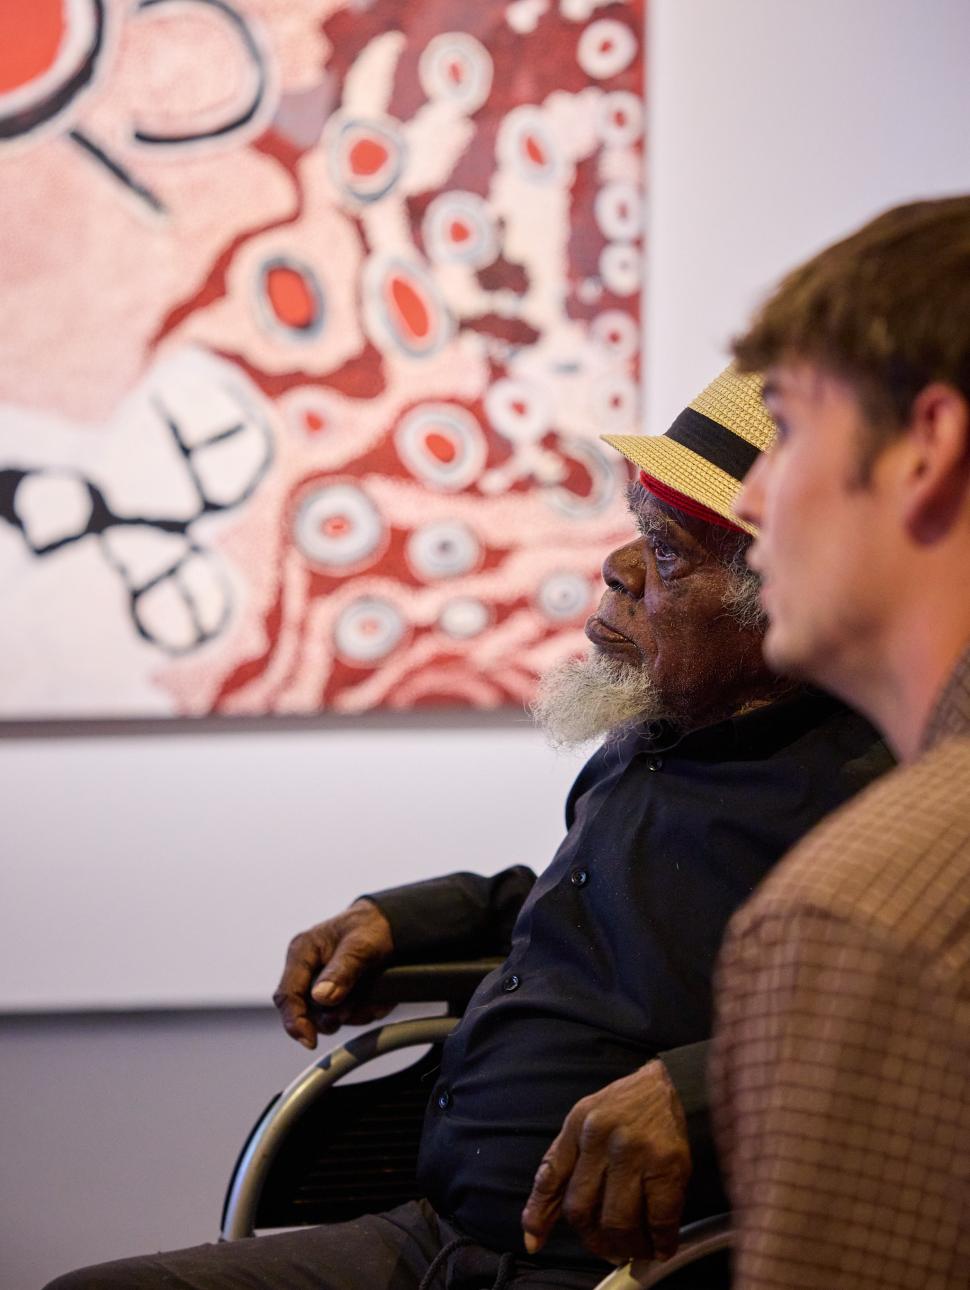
313,311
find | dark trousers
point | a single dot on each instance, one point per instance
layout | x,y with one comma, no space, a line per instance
392,1251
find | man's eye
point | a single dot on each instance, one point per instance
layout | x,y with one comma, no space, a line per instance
664,553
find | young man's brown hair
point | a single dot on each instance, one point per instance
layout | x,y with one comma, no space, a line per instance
877,309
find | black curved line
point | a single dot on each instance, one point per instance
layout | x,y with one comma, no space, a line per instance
249,44
30,118
209,507
202,636
9,483
117,169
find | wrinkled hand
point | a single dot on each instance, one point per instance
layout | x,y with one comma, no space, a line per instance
617,1171
349,948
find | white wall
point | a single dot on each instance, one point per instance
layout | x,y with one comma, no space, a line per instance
148,865
777,126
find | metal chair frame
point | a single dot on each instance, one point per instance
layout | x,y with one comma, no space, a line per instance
277,1121
423,982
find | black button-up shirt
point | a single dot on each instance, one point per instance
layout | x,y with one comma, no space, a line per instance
613,947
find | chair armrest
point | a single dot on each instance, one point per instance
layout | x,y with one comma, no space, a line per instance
453,982
697,1241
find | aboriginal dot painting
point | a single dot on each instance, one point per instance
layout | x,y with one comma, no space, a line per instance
313,313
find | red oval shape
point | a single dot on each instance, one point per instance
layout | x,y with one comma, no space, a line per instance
410,307
335,526
291,297
367,156
31,36
440,447
534,151
459,232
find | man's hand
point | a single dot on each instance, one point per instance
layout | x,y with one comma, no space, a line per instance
617,1171
348,947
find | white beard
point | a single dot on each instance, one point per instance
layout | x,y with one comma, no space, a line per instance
592,697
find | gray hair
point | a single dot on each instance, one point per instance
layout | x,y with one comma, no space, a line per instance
741,598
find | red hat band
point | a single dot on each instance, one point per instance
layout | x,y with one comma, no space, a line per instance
686,504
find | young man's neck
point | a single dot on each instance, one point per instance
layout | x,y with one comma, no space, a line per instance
901,696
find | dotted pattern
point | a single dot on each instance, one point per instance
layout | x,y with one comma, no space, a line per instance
841,1072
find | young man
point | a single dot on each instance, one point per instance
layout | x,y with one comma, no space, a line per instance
842,1070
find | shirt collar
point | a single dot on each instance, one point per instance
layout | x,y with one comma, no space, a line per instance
752,734
951,713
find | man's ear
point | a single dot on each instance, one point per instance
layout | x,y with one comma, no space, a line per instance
936,483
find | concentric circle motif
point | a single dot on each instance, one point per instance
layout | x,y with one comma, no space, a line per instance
618,210
617,333
366,158
442,445
606,48
517,410
619,119
564,596
403,306
310,411
456,67
49,51
337,527
458,228
464,617
368,630
621,268
601,473
290,299
526,145
444,549
613,403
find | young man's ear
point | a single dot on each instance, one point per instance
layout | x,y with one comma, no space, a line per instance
936,483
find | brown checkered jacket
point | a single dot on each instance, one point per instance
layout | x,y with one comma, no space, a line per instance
841,1071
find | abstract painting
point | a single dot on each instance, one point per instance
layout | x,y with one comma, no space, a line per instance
313,313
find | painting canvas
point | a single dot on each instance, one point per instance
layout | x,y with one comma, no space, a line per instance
313,313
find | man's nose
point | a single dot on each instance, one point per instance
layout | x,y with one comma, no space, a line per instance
623,569
749,503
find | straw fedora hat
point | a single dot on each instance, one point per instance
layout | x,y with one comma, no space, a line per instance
698,465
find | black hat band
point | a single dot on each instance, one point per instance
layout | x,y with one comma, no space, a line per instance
714,442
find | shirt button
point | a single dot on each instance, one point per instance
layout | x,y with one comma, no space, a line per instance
579,877
511,983
444,1100
655,763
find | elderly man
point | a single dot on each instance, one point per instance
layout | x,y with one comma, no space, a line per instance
843,1067
710,769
